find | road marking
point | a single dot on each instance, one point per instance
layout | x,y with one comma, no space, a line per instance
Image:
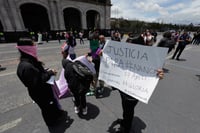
10,125
6,74
10,59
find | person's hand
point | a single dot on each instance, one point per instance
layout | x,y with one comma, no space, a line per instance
160,73
101,53
53,70
93,83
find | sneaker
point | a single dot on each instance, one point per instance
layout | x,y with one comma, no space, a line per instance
76,110
101,90
91,93
84,111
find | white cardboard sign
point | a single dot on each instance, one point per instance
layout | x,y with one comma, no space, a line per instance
132,68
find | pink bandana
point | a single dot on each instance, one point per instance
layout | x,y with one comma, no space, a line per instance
30,50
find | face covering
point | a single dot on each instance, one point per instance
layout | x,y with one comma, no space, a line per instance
30,50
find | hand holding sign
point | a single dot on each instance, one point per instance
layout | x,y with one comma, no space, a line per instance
133,69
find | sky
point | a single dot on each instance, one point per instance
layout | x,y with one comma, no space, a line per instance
161,11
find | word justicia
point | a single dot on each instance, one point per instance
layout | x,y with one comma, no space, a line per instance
127,53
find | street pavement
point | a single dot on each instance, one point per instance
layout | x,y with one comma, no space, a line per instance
173,107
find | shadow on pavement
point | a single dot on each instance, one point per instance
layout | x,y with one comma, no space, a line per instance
93,112
114,126
137,126
106,93
182,60
198,77
62,126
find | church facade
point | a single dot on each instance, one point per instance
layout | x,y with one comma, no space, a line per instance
53,15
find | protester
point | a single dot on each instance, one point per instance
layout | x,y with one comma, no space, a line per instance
77,86
72,44
94,44
66,36
33,75
58,36
46,37
148,38
116,37
167,41
128,105
87,60
155,34
81,37
39,38
183,40
102,41
136,39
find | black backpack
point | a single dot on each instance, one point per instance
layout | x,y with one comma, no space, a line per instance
78,76
82,72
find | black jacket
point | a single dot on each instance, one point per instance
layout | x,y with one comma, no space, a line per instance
69,74
75,83
34,77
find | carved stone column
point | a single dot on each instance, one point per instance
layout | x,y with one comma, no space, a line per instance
83,20
17,25
107,17
60,15
53,15
7,25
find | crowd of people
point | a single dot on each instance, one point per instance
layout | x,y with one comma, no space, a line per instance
181,39
81,74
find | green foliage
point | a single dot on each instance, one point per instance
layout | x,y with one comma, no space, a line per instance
137,26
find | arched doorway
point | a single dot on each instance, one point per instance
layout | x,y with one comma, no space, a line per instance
93,19
35,17
72,19
1,26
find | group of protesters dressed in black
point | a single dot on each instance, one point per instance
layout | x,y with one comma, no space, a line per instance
34,76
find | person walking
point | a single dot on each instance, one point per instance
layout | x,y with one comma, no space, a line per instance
167,41
72,44
183,40
46,36
39,38
33,75
81,37
58,36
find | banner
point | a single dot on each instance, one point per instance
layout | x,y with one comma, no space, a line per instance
132,68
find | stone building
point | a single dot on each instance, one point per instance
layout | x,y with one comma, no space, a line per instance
19,16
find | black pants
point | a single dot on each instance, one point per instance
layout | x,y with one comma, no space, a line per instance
128,106
81,41
80,99
79,94
50,111
179,50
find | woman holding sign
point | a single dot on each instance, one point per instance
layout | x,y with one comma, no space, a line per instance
128,105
